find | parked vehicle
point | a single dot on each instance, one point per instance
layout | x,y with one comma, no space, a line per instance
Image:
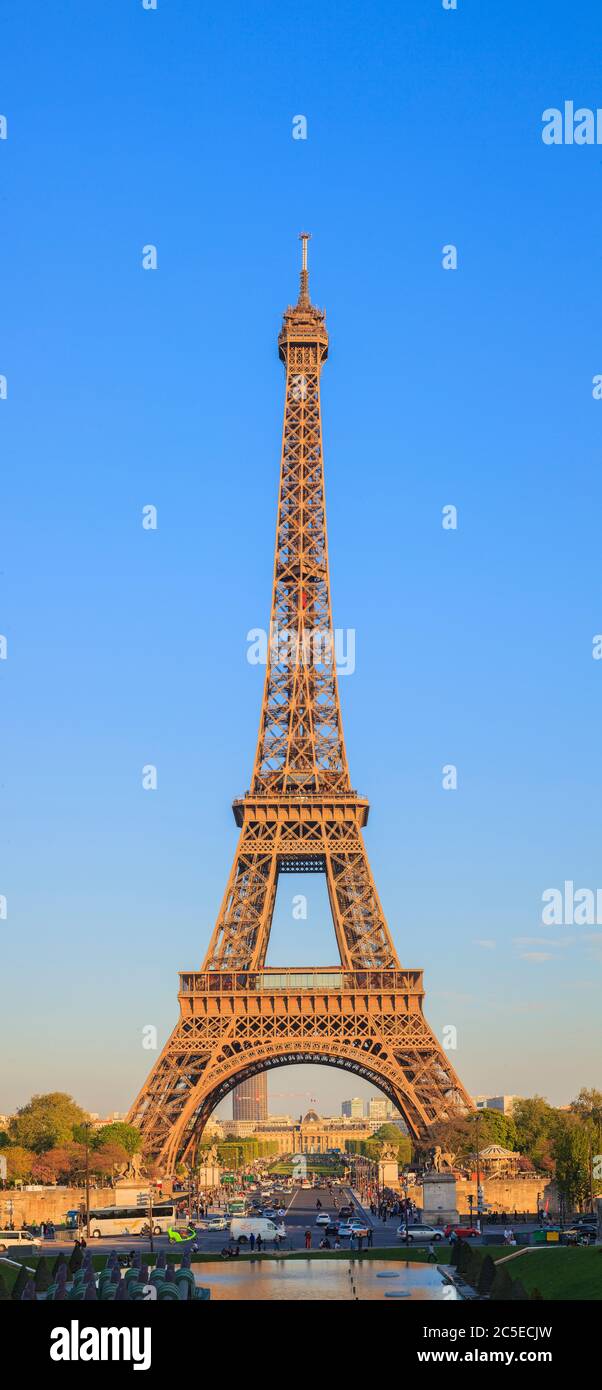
463,1232
420,1233
17,1238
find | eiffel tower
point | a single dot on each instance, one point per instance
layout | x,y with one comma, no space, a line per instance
301,815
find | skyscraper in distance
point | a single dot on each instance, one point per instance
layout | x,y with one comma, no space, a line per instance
250,1099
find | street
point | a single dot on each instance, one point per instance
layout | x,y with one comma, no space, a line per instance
301,1212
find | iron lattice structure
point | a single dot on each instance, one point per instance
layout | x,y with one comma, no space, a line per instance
238,1017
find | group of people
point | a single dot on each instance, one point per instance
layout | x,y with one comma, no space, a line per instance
46,1229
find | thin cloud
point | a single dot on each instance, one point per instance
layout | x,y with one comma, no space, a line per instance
544,941
486,945
536,956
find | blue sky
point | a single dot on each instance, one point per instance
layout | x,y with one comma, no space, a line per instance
129,387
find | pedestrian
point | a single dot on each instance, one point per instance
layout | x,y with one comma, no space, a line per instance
308,1240
352,1241
258,1244
252,1240
337,1243
370,1237
431,1255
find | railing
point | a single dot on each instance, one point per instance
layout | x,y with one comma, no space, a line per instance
277,981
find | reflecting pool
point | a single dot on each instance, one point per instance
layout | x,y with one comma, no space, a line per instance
323,1279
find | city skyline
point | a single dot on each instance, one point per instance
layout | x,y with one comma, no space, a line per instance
473,647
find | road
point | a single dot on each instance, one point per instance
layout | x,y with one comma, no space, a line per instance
301,1212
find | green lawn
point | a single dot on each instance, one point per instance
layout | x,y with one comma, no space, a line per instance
559,1273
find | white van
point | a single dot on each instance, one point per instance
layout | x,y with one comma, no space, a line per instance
241,1228
17,1238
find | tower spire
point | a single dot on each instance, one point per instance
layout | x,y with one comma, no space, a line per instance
304,299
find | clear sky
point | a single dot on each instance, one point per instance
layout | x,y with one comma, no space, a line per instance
127,387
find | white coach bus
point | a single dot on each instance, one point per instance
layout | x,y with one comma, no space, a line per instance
131,1221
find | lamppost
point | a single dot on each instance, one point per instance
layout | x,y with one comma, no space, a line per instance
478,1157
87,1177
405,1185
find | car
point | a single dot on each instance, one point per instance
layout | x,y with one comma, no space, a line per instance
215,1223
430,1233
359,1228
322,1219
333,1228
17,1238
345,1230
463,1232
346,1210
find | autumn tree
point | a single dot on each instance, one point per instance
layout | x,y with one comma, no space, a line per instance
46,1122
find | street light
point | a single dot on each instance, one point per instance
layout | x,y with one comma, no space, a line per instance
87,1127
405,1203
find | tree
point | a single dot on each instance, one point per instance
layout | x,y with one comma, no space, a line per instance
45,1167
572,1154
487,1275
42,1276
4,1139
65,1162
391,1134
497,1128
19,1163
518,1290
108,1158
128,1137
19,1284
501,1289
535,1122
46,1121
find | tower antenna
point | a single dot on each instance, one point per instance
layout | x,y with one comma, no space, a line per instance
304,299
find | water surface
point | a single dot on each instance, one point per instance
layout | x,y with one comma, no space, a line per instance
390,1280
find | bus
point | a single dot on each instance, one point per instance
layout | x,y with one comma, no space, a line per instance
130,1221
236,1206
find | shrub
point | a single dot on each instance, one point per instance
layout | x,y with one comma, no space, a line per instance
487,1275
19,1283
42,1279
501,1289
472,1268
519,1290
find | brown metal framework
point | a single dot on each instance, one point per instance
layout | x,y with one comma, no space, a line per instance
301,815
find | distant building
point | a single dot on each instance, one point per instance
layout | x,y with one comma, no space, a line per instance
379,1109
116,1117
250,1099
505,1104
353,1109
